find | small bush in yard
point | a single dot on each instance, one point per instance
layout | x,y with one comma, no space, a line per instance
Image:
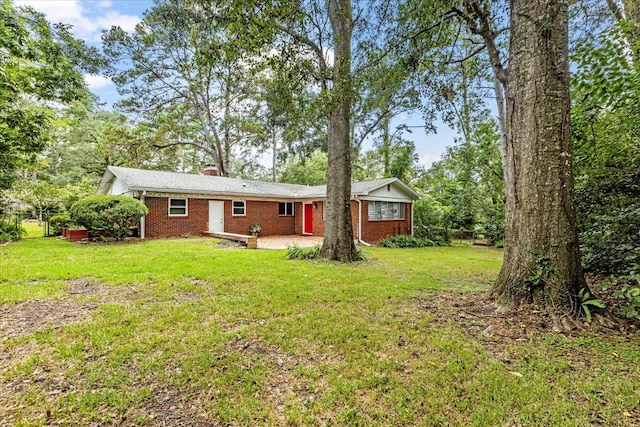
58,222
401,241
295,252
111,214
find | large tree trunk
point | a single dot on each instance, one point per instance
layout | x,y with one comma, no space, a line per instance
541,258
338,238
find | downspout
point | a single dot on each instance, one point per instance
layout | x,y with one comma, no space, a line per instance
412,218
142,222
360,223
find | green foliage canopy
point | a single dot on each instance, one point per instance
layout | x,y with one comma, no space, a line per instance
38,68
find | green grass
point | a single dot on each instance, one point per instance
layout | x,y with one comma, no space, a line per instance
182,330
33,229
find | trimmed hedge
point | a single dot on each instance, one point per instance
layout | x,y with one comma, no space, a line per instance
111,214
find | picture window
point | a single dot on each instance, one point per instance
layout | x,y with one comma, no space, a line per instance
386,210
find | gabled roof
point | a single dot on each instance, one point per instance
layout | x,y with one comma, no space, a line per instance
363,188
173,182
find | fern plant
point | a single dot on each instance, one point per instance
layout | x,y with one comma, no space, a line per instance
587,301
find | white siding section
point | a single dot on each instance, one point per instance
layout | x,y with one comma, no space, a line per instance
394,193
118,187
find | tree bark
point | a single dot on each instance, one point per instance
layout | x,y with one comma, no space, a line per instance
541,258
338,239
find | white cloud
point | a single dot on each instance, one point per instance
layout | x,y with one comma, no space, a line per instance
427,159
95,81
113,18
87,22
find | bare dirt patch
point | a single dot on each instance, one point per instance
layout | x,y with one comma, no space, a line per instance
172,407
26,318
282,386
475,313
21,320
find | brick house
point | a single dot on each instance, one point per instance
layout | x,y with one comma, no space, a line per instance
181,204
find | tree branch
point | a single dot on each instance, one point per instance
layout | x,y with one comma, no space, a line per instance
483,28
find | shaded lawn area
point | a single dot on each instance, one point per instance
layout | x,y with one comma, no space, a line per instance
181,332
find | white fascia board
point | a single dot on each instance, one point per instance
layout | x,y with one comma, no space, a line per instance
153,192
397,182
105,182
387,199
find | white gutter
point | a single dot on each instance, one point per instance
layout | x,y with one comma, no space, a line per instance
142,222
360,223
412,218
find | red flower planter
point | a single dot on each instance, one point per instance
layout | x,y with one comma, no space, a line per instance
75,234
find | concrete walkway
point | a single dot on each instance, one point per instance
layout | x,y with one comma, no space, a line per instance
282,242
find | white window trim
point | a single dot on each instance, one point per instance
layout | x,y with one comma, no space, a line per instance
186,206
293,209
233,211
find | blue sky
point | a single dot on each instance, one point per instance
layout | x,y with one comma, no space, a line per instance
90,17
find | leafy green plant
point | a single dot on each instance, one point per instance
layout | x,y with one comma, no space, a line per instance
58,222
111,214
313,252
630,291
10,231
587,301
255,228
632,295
362,254
401,241
295,252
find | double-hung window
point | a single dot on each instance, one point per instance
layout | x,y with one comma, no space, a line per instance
239,208
386,210
285,208
177,207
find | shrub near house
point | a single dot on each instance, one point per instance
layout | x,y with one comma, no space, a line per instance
114,215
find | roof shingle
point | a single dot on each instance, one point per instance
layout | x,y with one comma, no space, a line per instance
160,181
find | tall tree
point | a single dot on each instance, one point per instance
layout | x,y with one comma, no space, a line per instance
313,30
38,68
338,241
181,64
542,258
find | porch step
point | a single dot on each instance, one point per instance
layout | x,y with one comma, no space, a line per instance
251,241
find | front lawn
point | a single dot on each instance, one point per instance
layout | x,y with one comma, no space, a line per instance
181,332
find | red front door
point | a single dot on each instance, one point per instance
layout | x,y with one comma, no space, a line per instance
307,223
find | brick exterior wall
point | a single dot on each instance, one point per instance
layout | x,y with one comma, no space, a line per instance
318,223
298,218
159,224
263,213
374,230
